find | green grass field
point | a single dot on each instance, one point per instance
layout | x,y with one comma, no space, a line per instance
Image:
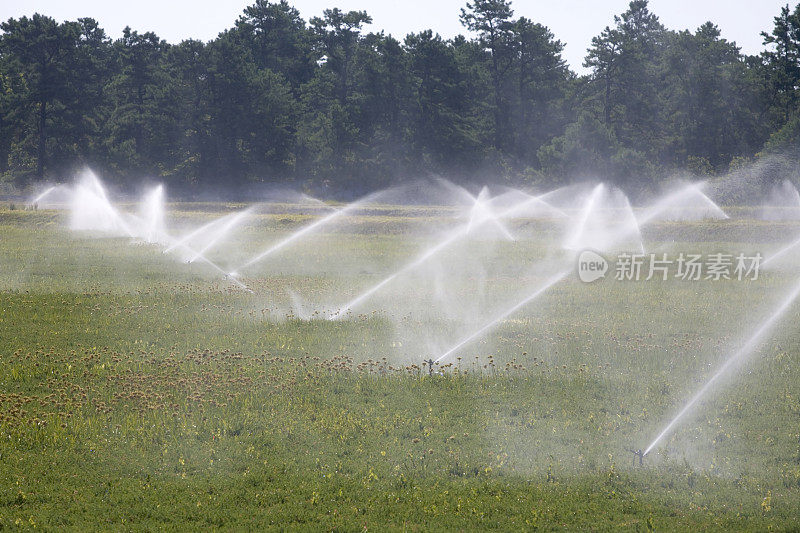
138,392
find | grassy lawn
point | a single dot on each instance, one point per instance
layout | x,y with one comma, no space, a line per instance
141,392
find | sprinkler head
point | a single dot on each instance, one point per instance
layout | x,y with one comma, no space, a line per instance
430,363
637,453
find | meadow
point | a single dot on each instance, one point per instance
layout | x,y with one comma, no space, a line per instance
139,392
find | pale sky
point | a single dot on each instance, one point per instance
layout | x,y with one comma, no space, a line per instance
574,22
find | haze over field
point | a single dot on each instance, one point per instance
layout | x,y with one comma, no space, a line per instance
291,361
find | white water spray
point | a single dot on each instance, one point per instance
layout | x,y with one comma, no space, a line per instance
152,215
200,257
502,316
42,195
481,213
783,203
780,253
485,215
745,350
687,203
609,241
220,233
195,233
91,210
298,234
574,242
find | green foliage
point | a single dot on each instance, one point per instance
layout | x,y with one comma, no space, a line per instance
782,63
40,53
786,140
324,104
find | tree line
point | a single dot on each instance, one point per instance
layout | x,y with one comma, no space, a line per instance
324,104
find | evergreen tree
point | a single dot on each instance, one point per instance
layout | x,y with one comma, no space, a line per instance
323,103
39,52
491,20
278,39
782,64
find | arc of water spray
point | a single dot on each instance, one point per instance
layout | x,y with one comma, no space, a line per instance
95,189
502,316
460,233
783,251
100,193
629,211
528,202
488,326
221,232
155,198
216,267
540,199
43,194
204,259
697,188
665,203
481,213
574,243
748,347
175,243
202,229
410,266
154,214
595,194
298,234
222,271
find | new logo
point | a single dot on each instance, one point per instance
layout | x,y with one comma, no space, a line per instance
591,266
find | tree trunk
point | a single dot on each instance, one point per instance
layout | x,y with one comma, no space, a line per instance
344,78
42,139
499,133
5,143
523,113
139,123
3,160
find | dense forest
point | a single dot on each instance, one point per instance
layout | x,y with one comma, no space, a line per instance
324,104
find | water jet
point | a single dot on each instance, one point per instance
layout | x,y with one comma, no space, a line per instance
749,346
